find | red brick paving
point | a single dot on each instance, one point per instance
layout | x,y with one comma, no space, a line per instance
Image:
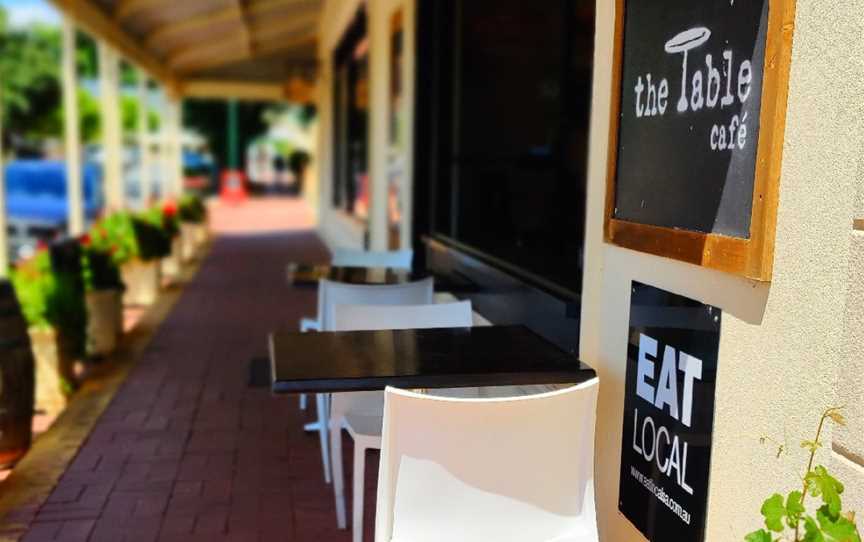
186,450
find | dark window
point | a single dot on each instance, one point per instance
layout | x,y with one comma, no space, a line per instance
351,120
506,143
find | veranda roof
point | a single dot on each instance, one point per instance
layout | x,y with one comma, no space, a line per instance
254,49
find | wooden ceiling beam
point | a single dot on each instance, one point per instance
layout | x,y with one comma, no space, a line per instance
262,7
193,24
241,90
280,27
231,49
285,42
96,22
125,9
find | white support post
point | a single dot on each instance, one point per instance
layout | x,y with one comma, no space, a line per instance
112,129
170,140
379,77
143,139
164,143
4,236
75,194
177,145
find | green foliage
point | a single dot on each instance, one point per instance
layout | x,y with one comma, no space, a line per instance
126,236
115,235
788,517
51,298
160,226
30,63
98,268
192,209
34,282
31,88
152,241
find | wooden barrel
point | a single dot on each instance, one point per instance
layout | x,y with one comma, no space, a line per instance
17,380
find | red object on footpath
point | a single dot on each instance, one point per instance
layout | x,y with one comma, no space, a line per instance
233,186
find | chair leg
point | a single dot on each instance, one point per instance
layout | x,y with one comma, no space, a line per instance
303,400
338,475
323,414
359,493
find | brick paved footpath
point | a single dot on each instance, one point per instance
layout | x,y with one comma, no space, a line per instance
186,450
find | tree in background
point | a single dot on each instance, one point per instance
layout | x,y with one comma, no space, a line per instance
31,88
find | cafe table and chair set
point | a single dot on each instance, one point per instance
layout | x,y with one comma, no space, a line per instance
486,432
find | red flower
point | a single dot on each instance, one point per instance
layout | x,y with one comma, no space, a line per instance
84,240
112,249
169,209
41,245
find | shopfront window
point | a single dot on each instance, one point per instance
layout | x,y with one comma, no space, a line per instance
513,104
351,121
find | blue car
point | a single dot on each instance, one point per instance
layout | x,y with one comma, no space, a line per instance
37,203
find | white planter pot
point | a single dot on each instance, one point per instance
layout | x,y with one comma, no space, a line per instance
142,279
171,264
54,369
202,234
187,242
104,317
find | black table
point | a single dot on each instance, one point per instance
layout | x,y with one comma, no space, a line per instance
300,274
419,358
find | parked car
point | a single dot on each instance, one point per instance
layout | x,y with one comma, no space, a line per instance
37,203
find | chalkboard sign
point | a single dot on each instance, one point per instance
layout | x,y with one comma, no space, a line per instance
668,420
697,130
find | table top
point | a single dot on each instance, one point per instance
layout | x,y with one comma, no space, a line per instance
301,274
419,358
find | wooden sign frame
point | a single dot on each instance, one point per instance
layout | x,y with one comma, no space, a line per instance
754,257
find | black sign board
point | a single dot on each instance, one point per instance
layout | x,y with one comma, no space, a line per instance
691,92
668,414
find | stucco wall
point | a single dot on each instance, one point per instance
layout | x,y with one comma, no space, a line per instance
781,343
848,445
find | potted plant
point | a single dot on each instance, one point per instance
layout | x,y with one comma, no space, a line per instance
137,249
193,224
170,224
51,294
103,298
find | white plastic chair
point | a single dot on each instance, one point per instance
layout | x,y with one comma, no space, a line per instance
360,413
331,294
352,257
511,470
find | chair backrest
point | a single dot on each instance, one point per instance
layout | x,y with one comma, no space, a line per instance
508,469
372,317
352,257
332,293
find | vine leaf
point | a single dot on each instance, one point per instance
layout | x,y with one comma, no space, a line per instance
794,509
812,532
819,482
759,536
811,445
774,512
837,528
836,417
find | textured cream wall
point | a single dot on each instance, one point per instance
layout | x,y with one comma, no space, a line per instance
848,445
781,343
